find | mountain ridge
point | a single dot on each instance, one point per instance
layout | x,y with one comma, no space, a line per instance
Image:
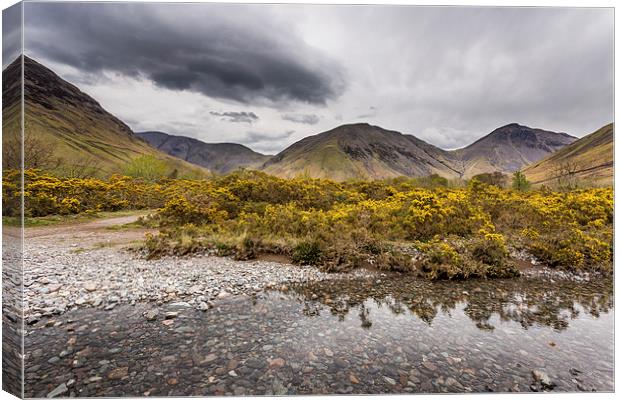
59,116
221,157
400,154
510,148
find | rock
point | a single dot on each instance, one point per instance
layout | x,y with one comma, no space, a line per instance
341,363
171,314
429,365
118,373
389,380
453,382
54,288
329,353
90,286
151,315
184,329
80,301
223,294
60,390
96,302
353,379
232,373
210,357
542,378
203,306
574,371
277,363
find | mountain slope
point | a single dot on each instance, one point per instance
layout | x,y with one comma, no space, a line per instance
590,158
81,133
217,157
361,151
509,148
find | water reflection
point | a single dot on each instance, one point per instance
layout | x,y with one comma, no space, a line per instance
528,302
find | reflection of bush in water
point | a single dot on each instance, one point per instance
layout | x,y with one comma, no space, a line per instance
528,302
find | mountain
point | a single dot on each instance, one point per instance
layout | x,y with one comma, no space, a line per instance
361,151
217,157
509,148
590,158
73,127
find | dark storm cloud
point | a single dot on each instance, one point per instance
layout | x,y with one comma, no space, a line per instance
197,47
11,34
233,116
308,119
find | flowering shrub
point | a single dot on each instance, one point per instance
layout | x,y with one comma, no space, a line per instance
443,233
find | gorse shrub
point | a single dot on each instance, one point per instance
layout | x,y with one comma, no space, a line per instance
441,232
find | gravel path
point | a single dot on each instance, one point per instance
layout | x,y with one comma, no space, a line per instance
87,265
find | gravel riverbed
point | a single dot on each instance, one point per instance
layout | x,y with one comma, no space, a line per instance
57,279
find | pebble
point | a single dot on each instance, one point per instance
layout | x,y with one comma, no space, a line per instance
58,391
118,373
151,315
277,363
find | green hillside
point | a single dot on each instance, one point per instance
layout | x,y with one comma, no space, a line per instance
589,159
73,132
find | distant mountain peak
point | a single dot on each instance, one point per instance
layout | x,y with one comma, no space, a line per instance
217,157
509,148
361,151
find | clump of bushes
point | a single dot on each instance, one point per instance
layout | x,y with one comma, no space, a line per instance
484,256
406,225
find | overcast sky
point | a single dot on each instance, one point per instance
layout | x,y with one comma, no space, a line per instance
269,75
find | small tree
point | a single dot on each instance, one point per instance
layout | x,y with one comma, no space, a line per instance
37,153
146,167
520,182
565,175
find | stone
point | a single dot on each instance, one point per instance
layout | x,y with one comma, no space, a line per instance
118,373
151,315
203,306
542,378
353,379
90,286
429,365
58,391
277,363
389,380
54,287
171,314
453,382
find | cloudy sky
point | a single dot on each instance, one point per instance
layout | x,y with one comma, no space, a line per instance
269,75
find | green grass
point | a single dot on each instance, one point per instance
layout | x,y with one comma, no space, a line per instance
53,220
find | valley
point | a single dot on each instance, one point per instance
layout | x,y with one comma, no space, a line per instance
158,264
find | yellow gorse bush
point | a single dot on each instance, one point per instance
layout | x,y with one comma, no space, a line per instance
452,233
